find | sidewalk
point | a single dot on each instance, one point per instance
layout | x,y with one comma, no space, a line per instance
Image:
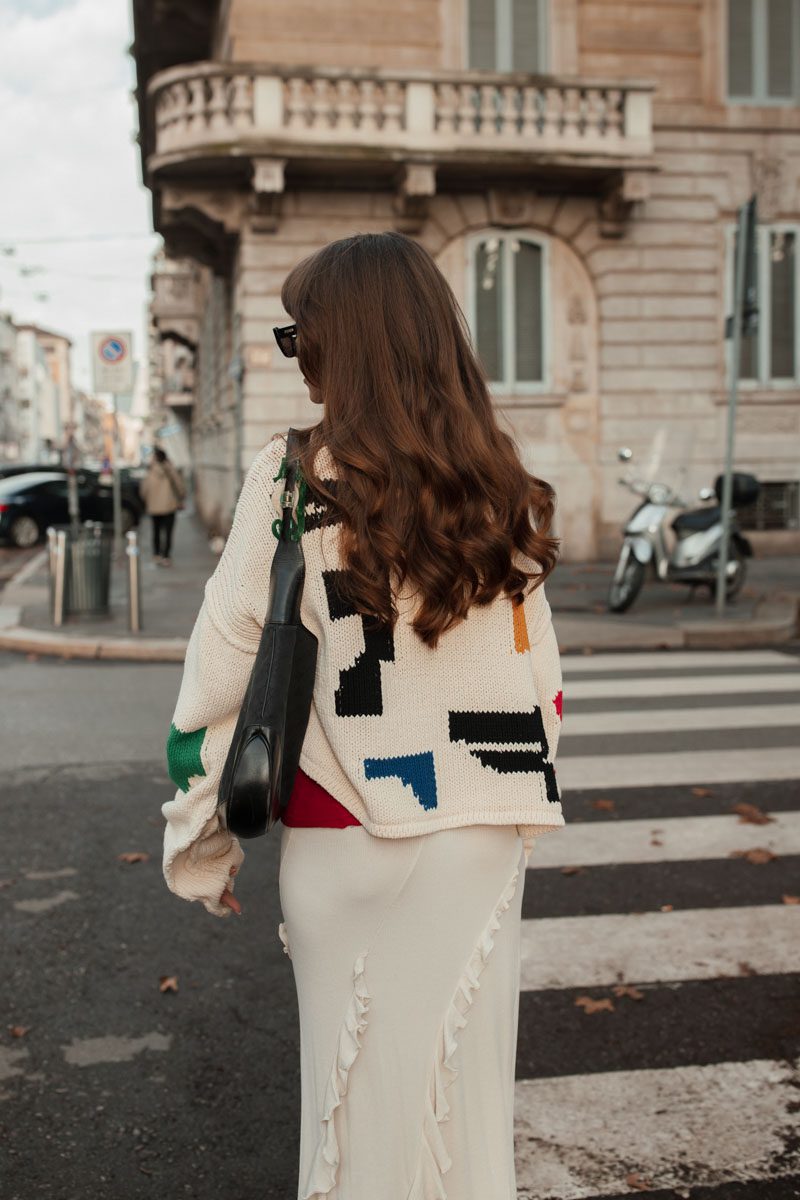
171,597
766,613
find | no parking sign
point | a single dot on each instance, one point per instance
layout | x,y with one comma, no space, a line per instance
112,362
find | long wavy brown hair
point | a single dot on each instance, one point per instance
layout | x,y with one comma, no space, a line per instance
430,489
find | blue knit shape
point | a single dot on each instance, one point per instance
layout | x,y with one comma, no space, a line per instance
415,770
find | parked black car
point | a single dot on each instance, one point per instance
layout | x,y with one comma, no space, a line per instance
87,477
31,501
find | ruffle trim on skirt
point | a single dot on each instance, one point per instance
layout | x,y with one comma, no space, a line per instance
284,938
434,1159
322,1177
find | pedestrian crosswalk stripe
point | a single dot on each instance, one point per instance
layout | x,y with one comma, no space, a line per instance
688,1127
661,947
648,887
572,664
698,685
624,770
654,720
589,843
692,1085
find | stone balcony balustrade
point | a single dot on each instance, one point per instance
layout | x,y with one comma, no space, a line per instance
219,121
210,109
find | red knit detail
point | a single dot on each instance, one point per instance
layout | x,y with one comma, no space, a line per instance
310,804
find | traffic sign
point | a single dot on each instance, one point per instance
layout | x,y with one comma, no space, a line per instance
112,362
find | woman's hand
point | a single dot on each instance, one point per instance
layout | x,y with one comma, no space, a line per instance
229,899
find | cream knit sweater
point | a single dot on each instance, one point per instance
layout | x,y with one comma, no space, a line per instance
409,739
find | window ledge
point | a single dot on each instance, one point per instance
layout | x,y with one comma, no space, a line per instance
529,399
777,393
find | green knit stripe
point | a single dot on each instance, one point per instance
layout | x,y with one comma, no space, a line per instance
183,755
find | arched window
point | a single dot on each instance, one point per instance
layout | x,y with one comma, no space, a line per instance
508,35
507,275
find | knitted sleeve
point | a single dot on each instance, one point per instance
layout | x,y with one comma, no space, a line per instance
198,851
546,664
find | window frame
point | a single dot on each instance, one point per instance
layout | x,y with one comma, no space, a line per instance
510,386
759,98
763,380
504,36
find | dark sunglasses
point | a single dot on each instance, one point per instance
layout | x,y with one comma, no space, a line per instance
286,337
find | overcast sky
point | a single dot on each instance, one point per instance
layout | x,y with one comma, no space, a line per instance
70,170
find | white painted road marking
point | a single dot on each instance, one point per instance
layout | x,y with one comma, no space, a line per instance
696,1127
653,947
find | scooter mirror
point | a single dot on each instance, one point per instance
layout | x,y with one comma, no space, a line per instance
624,453
707,493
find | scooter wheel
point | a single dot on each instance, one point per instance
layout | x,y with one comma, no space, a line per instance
735,581
622,594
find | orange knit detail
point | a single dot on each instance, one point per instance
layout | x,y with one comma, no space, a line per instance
521,642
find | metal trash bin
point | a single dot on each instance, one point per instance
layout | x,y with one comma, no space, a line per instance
82,583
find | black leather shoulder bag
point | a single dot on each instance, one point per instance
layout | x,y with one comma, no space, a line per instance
264,754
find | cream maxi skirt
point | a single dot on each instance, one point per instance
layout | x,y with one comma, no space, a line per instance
406,959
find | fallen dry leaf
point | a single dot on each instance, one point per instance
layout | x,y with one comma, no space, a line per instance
640,1182
746,969
758,855
627,989
573,870
605,805
168,983
19,1030
666,908
751,814
590,1005
702,791
656,842
787,899
133,856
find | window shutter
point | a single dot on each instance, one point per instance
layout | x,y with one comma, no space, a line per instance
740,47
488,284
528,311
527,51
783,273
780,44
483,35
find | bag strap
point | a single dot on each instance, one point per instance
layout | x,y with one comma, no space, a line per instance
287,527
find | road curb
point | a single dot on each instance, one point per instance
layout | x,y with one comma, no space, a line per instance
775,631
40,641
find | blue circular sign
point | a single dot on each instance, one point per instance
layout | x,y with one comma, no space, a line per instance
112,350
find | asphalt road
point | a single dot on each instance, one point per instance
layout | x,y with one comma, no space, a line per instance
117,1088
683,1085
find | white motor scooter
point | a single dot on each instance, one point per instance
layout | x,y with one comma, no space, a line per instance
693,557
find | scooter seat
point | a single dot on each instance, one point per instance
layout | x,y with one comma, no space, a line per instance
697,520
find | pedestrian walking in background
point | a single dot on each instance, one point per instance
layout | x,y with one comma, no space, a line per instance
427,768
163,493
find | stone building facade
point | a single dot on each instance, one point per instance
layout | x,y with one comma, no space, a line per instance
575,167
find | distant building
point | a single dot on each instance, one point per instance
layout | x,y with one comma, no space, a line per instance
10,418
575,169
39,400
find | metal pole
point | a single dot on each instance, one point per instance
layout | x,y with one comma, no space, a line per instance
736,354
134,583
117,487
60,580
